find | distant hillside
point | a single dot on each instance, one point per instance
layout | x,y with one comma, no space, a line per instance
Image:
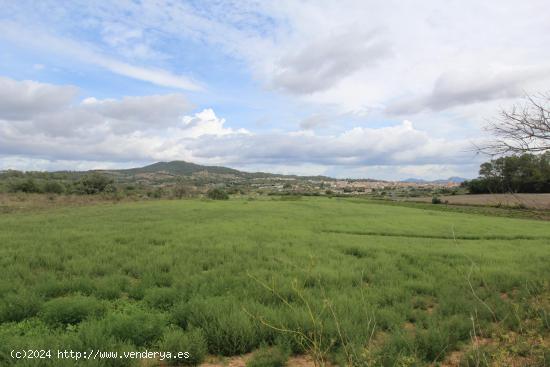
181,168
453,179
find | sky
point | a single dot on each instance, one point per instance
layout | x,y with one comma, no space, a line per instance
359,89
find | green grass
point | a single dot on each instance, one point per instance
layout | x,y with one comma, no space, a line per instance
344,277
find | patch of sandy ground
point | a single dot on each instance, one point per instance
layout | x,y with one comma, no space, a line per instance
240,361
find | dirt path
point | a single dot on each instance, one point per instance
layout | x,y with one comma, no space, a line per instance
240,361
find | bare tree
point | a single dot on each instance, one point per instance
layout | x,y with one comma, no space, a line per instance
525,128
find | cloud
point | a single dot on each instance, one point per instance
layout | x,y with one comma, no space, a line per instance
86,53
462,88
141,128
314,121
152,75
399,144
25,99
143,112
349,53
50,110
321,64
207,123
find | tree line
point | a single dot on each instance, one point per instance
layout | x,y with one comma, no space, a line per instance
44,182
525,173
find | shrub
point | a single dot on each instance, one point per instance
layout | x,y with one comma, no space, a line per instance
161,298
71,309
268,357
17,307
432,343
92,335
28,185
193,342
217,194
436,199
53,187
110,189
138,327
110,287
93,184
179,315
137,291
228,330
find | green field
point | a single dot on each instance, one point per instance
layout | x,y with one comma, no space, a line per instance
347,280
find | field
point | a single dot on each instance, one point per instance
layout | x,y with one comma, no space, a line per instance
530,201
344,281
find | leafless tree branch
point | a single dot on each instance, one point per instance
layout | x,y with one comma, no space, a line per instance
524,128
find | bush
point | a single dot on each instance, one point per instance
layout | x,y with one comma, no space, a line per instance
193,342
179,315
53,187
28,186
93,184
217,194
92,335
139,327
436,200
268,357
71,309
17,307
109,287
228,330
161,298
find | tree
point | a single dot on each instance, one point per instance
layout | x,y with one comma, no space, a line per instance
525,128
217,194
515,173
28,185
93,184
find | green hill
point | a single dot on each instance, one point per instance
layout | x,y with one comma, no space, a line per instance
180,168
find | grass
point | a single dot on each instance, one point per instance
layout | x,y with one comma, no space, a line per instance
385,284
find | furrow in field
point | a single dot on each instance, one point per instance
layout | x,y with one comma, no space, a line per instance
442,237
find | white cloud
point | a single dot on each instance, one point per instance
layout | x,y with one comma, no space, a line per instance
25,99
324,62
399,144
85,53
467,87
145,112
314,121
207,123
38,123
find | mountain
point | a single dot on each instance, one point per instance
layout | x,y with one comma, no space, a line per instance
183,168
180,168
415,180
456,179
